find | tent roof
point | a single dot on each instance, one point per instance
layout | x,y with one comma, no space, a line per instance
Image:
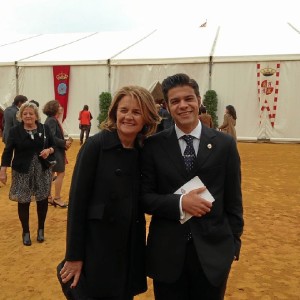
162,46
279,41
185,45
69,48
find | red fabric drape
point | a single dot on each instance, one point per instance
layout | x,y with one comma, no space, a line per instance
61,76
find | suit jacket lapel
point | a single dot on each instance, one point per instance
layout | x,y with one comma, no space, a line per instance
172,149
206,147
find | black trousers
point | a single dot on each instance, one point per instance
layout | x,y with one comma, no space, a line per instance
192,284
84,129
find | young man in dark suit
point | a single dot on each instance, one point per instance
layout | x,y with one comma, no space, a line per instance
191,260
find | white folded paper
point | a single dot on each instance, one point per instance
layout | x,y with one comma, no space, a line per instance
193,184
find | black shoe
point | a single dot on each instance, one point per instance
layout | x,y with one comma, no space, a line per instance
26,239
64,205
40,235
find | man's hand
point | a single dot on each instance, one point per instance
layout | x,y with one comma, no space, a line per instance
194,204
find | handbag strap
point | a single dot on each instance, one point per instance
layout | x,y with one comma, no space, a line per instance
44,137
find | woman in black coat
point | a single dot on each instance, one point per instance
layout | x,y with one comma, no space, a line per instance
28,144
51,110
106,227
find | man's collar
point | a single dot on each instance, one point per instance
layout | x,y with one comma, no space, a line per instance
195,132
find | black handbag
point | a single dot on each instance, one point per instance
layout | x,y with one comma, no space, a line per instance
76,293
50,161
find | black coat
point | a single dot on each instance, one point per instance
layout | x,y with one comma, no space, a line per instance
58,135
106,229
217,234
20,148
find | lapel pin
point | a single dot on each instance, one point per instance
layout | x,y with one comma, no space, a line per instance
209,146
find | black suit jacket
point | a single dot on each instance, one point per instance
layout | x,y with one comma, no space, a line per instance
9,120
217,234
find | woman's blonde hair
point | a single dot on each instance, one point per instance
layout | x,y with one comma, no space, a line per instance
147,106
26,105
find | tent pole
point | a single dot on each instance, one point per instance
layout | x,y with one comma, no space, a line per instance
210,71
17,77
212,51
109,75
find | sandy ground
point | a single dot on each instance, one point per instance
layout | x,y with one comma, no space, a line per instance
269,263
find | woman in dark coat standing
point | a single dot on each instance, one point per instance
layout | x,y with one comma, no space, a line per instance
51,110
106,227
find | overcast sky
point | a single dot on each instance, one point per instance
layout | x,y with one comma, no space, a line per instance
59,16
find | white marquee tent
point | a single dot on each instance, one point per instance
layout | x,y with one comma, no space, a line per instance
230,60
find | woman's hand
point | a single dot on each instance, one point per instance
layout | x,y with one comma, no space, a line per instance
3,176
71,269
68,144
45,153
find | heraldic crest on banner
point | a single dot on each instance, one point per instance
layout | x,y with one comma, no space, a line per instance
62,85
268,86
61,76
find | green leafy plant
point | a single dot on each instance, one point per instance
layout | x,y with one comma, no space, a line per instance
211,103
104,103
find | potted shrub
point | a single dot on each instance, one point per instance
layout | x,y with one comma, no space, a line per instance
211,103
104,103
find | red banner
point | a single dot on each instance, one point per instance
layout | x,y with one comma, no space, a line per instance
268,88
61,76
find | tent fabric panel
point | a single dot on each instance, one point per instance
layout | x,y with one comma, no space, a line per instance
171,44
37,83
236,84
26,63
254,58
38,44
7,85
249,40
146,76
86,84
287,122
96,48
158,61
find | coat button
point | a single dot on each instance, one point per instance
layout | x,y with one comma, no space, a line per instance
118,172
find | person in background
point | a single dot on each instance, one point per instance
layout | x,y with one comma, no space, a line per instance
51,110
85,118
190,260
28,144
229,121
205,117
10,116
106,226
166,119
35,102
1,123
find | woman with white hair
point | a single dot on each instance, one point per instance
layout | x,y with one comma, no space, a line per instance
29,143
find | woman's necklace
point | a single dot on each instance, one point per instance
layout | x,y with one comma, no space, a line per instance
31,132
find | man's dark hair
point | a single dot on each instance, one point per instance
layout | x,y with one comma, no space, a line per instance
19,99
179,80
202,109
35,102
